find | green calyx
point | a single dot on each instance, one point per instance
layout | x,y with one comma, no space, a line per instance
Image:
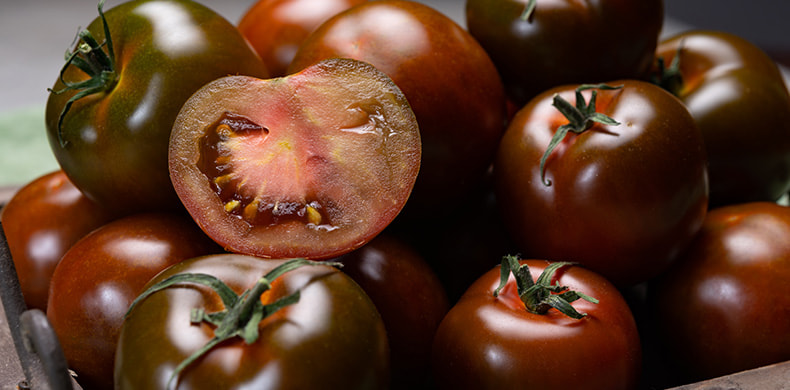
669,77
581,117
243,313
90,57
540,296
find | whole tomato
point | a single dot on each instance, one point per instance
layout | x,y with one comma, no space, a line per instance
723,306
515,329
621,188
42,221
540,44
409,297
251,323
276,28
110,112
448,79
740,101
99,277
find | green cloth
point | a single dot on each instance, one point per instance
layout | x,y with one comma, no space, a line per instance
24,149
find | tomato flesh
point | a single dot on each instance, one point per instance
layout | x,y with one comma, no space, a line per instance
311,165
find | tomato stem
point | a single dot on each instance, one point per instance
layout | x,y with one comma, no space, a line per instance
529,9
92,60
580,117
669,77
541,295
243,313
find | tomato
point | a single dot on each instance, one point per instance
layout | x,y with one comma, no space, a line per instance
42,221
491,340
739,98
113,142
621,199
311,165
723,307
565,42
409,297
99,277
449,80
332,337
276,28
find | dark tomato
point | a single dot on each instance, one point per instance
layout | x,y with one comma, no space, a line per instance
113,143
332,338
565,42
623,200
739,98
311,165
42,221
99,277
723,307
410,298
451,84
276,28
494,342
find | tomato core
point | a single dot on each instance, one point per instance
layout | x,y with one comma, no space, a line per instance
245,196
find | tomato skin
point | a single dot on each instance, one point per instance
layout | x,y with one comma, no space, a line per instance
332,338
409,297
99,277
276,28
448,79
605,183
739,98
566,42
488,342
41,222
723,306
115,143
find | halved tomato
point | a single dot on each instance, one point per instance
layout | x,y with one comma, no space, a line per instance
310,165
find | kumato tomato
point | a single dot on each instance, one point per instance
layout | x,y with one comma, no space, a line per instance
505,334
410,298
41,222
311,165
110,112
740,101
276,28
540,44
622,198
449,80
723,307
262,324
100,276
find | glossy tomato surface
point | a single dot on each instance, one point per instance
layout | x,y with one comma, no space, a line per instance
113,144
332,338
565,42
723,307
311,165
409,297
739,98
276,28
488,342
448,79
100,276
41,222
623,200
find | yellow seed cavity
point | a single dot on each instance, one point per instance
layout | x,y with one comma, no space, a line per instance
313,216
222,180
232,205
224,131
251,210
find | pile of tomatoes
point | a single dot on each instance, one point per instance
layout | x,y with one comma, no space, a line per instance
364,194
